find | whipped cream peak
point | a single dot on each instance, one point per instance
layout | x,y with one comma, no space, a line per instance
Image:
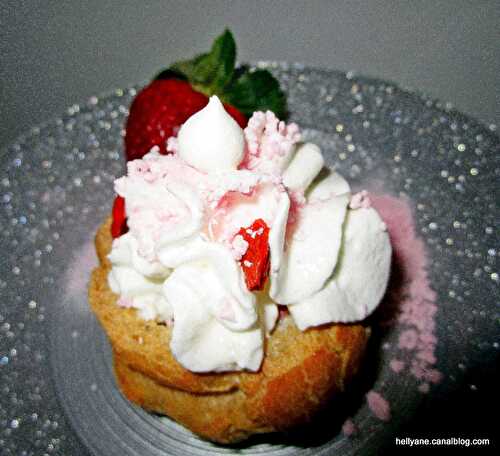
211,140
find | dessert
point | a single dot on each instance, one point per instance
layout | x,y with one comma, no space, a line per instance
235,273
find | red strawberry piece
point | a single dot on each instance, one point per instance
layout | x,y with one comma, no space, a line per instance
255,261
119,224
156,113
236,115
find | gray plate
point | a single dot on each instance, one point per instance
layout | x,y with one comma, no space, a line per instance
58,394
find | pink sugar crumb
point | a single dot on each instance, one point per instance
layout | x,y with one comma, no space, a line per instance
410,299
268,140
378,405
434,376
424,388
427,356
349,428
172,144
125,302
397,365
408,339
238,247
360,200
417,370
77,275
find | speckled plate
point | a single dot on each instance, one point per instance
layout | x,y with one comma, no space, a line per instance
58,394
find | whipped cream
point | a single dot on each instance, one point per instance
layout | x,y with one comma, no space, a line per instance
181,260
359,280
208,332
138,281
311,250
211,140
304,167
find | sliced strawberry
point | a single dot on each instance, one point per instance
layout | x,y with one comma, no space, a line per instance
255,261
119,225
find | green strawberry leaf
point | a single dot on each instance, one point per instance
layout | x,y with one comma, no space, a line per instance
210,73
214,73
217,68
184,68
256,91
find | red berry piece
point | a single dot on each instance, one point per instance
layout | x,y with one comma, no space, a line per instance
119,224
157,112
240,118
255,261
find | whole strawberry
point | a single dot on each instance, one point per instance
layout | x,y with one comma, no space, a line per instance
156,112
175,94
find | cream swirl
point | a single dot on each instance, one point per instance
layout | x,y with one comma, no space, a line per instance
137,280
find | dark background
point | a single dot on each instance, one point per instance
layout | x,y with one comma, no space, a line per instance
56,53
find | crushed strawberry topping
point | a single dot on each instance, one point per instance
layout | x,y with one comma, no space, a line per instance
119,225
255,261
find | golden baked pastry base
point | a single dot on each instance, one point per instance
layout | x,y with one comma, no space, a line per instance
301,371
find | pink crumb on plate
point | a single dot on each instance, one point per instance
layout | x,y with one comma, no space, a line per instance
413,301
77,274
378,405
424,388
397,365
349,428
408,339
